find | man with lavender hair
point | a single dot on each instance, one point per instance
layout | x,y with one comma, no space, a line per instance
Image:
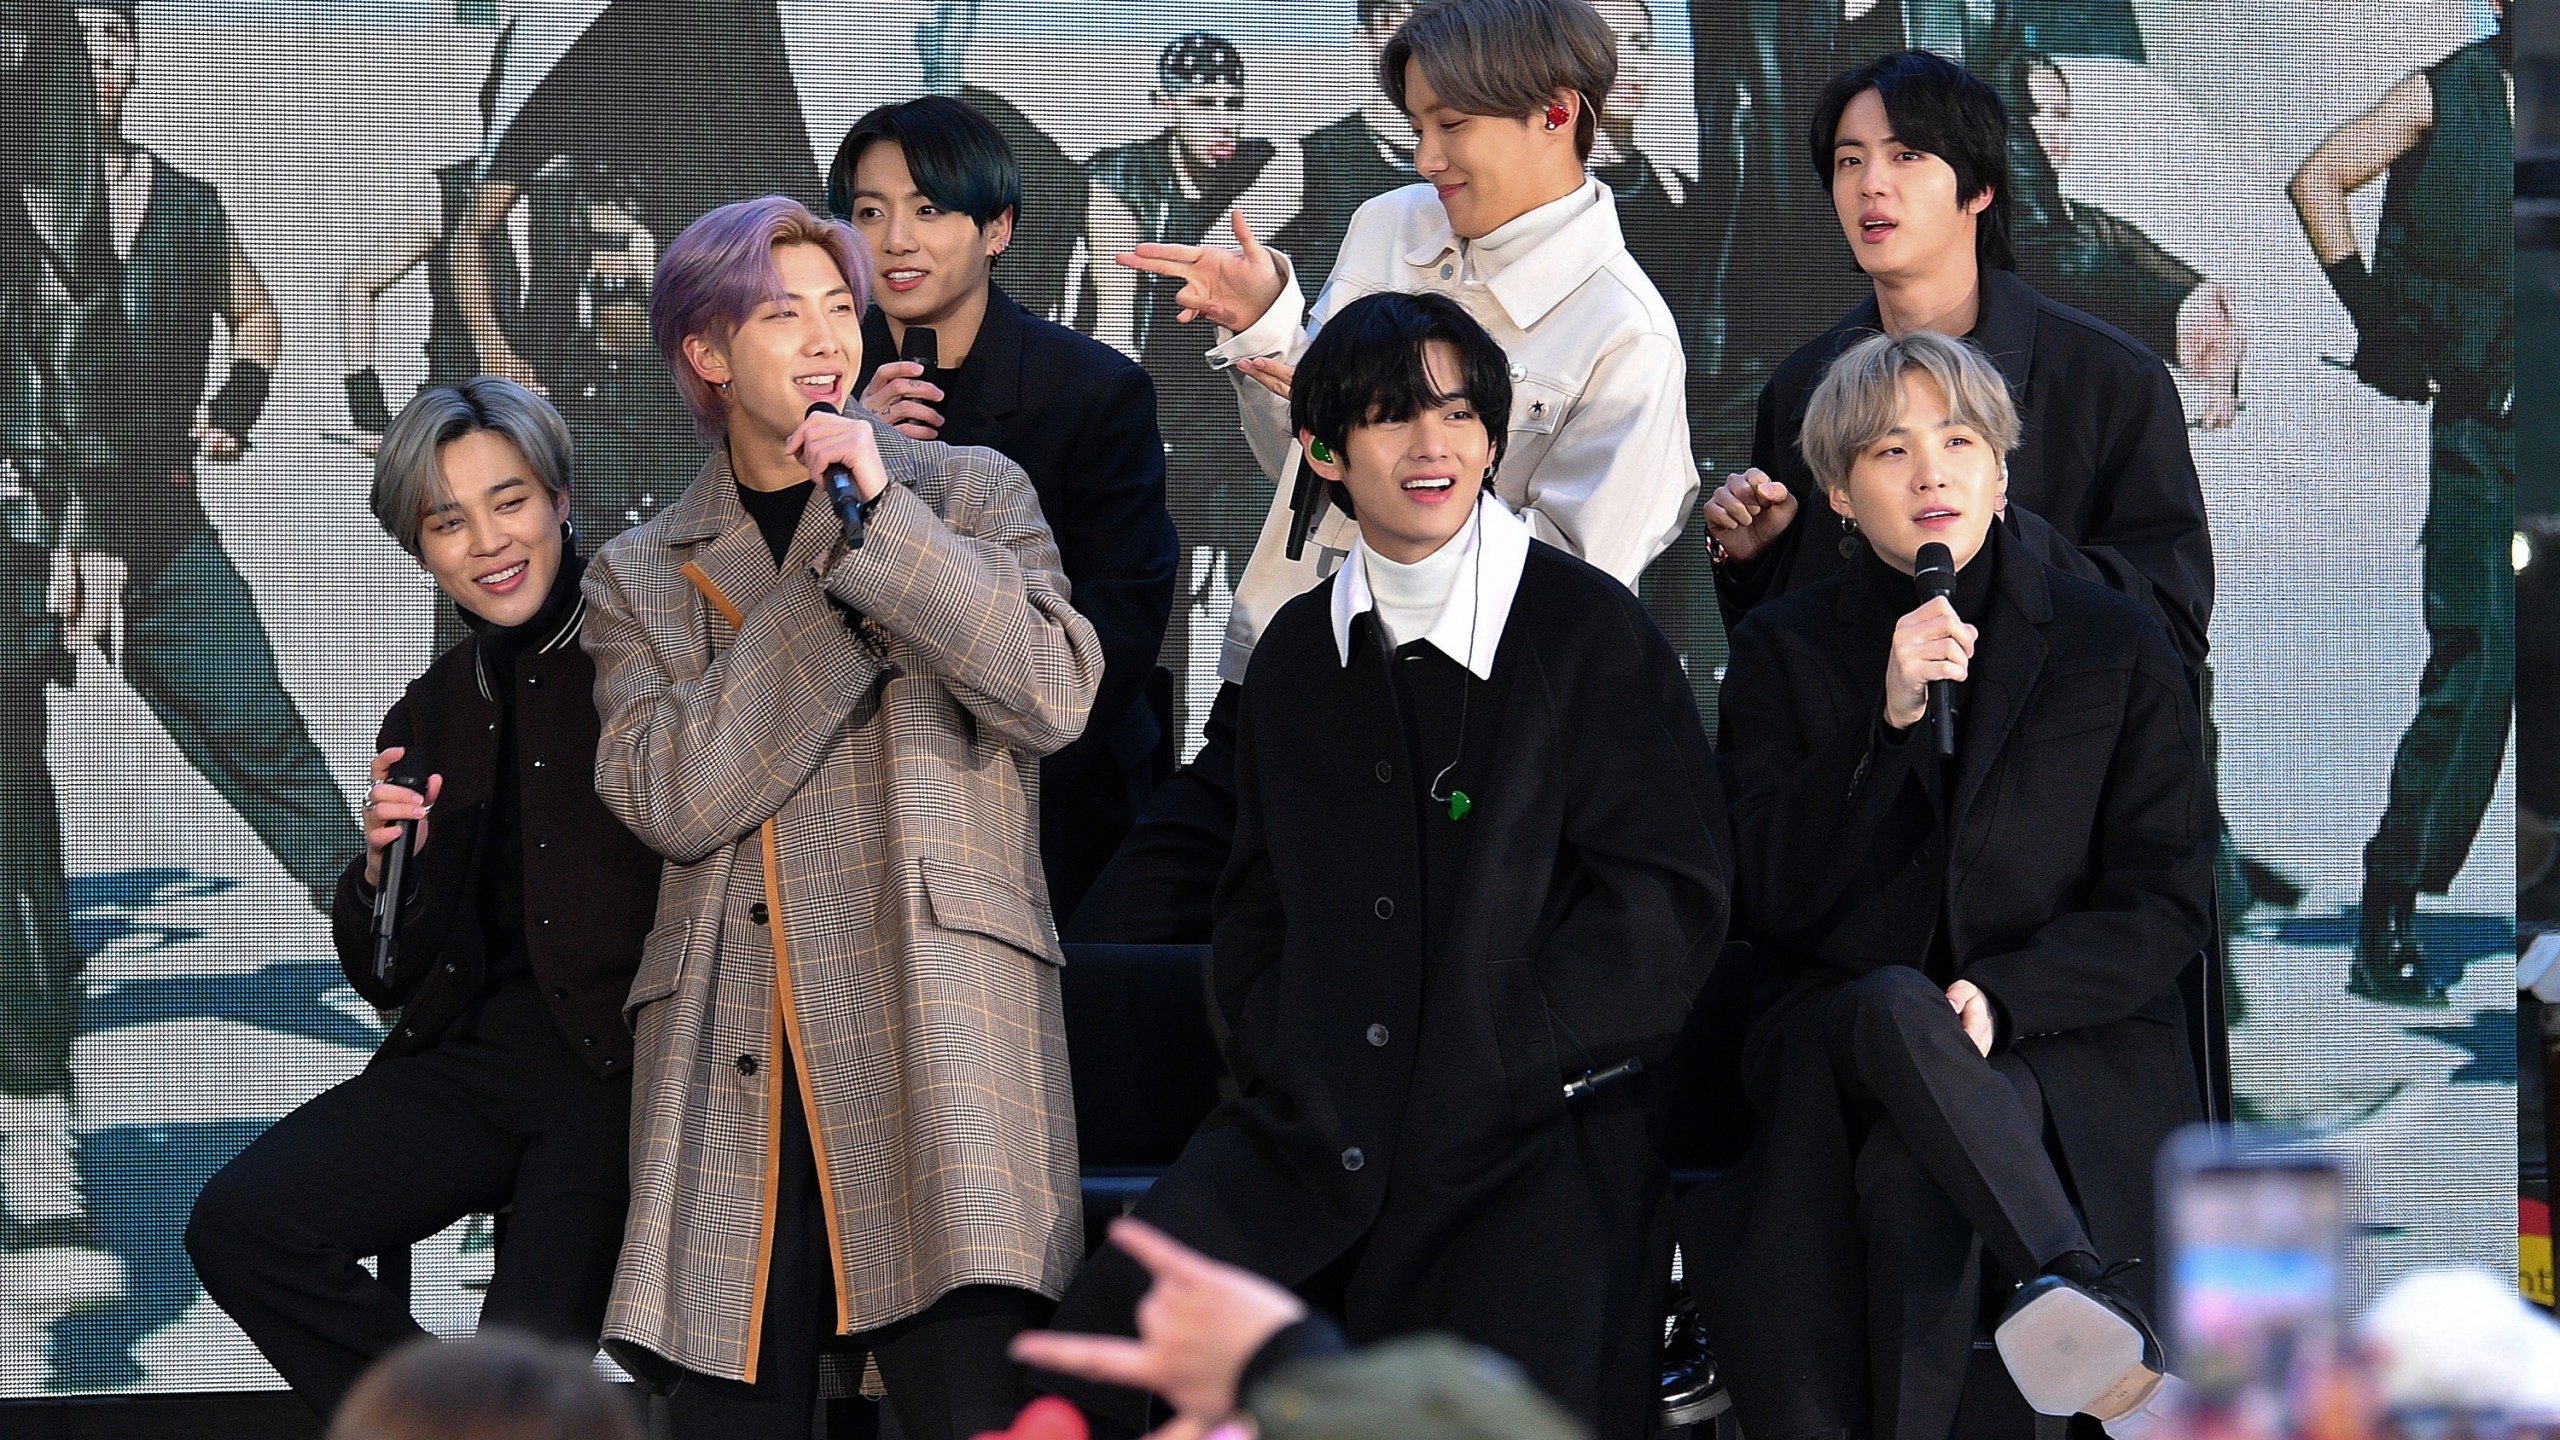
850,1114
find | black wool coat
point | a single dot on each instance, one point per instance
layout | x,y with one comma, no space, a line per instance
1080,419
1409,1098
590,886
2102,483
2079,882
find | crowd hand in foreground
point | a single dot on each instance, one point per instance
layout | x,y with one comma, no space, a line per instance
1199,1326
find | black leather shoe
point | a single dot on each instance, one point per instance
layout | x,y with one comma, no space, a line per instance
1692,1389
2389,967
2077,1349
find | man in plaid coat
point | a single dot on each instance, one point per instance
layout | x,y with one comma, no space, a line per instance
851,1113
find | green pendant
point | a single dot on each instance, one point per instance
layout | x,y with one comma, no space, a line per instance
1459,805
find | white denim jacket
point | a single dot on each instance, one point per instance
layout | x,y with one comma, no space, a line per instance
1597,460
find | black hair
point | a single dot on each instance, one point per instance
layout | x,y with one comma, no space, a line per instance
1368,365
1942,109
957,158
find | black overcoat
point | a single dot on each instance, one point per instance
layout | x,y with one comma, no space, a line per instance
1409,1099
2102,483
590,886
2079,884
1080,419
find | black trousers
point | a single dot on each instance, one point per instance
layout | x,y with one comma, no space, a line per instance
945,1369
498,1114
1157,889
197,654
1952,1162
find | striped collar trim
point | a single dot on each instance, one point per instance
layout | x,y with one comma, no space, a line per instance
561,639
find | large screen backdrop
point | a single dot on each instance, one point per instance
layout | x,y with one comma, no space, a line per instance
324,152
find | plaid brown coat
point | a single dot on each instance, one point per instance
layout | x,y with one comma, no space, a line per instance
842,780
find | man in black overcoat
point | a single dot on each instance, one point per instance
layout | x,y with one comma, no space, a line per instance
1478,877
1976,1046
2102,485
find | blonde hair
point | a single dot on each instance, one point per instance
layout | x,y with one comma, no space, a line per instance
1860,398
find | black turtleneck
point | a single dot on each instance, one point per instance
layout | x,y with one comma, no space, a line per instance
1904,873
502,860
777,513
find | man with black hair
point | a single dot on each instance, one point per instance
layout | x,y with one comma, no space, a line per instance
2105,264
1053,185
581,137
1915,151
1760,63
1177,187
1351,160
193,645
931,187
1479,873
2435,320
62,441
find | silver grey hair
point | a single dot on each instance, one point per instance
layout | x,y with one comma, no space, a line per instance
408,478
1860,398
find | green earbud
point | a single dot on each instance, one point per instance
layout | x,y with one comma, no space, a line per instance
1321,451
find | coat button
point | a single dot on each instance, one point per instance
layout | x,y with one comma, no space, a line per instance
541,842
544,922
1352,1159
608,1062
538,764
559,993
1385,907
1386,772
588,1040
1519,372
746,1064
1448,270
758,913
448,969
533,679
1378,1035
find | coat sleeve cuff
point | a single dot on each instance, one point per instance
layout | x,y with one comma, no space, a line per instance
1273,332
1313,1338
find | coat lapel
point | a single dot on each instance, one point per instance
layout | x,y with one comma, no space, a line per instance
2005,667
725,544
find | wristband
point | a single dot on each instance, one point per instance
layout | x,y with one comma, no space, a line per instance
2354,285
236,406
365,404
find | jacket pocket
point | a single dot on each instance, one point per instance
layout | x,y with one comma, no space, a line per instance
661,967
978,904
2070,723
1538,405
1529,1065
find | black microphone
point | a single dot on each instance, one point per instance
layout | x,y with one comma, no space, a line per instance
847,500
407,773
1933,574
921,346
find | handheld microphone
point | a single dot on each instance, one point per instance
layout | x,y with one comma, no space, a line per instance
840,491
1933,574
921,346
411,775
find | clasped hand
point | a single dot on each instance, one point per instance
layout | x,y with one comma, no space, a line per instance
1930,643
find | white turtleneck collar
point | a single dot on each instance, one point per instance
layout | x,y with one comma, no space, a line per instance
1457,598
1494,251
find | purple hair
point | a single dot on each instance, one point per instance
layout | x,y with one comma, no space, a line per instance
721,268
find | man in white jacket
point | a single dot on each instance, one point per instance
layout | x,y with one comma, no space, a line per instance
1502,97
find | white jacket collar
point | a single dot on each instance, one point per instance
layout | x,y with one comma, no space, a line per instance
1469,629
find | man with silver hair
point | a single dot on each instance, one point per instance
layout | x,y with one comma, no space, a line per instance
1974,931
505,1081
